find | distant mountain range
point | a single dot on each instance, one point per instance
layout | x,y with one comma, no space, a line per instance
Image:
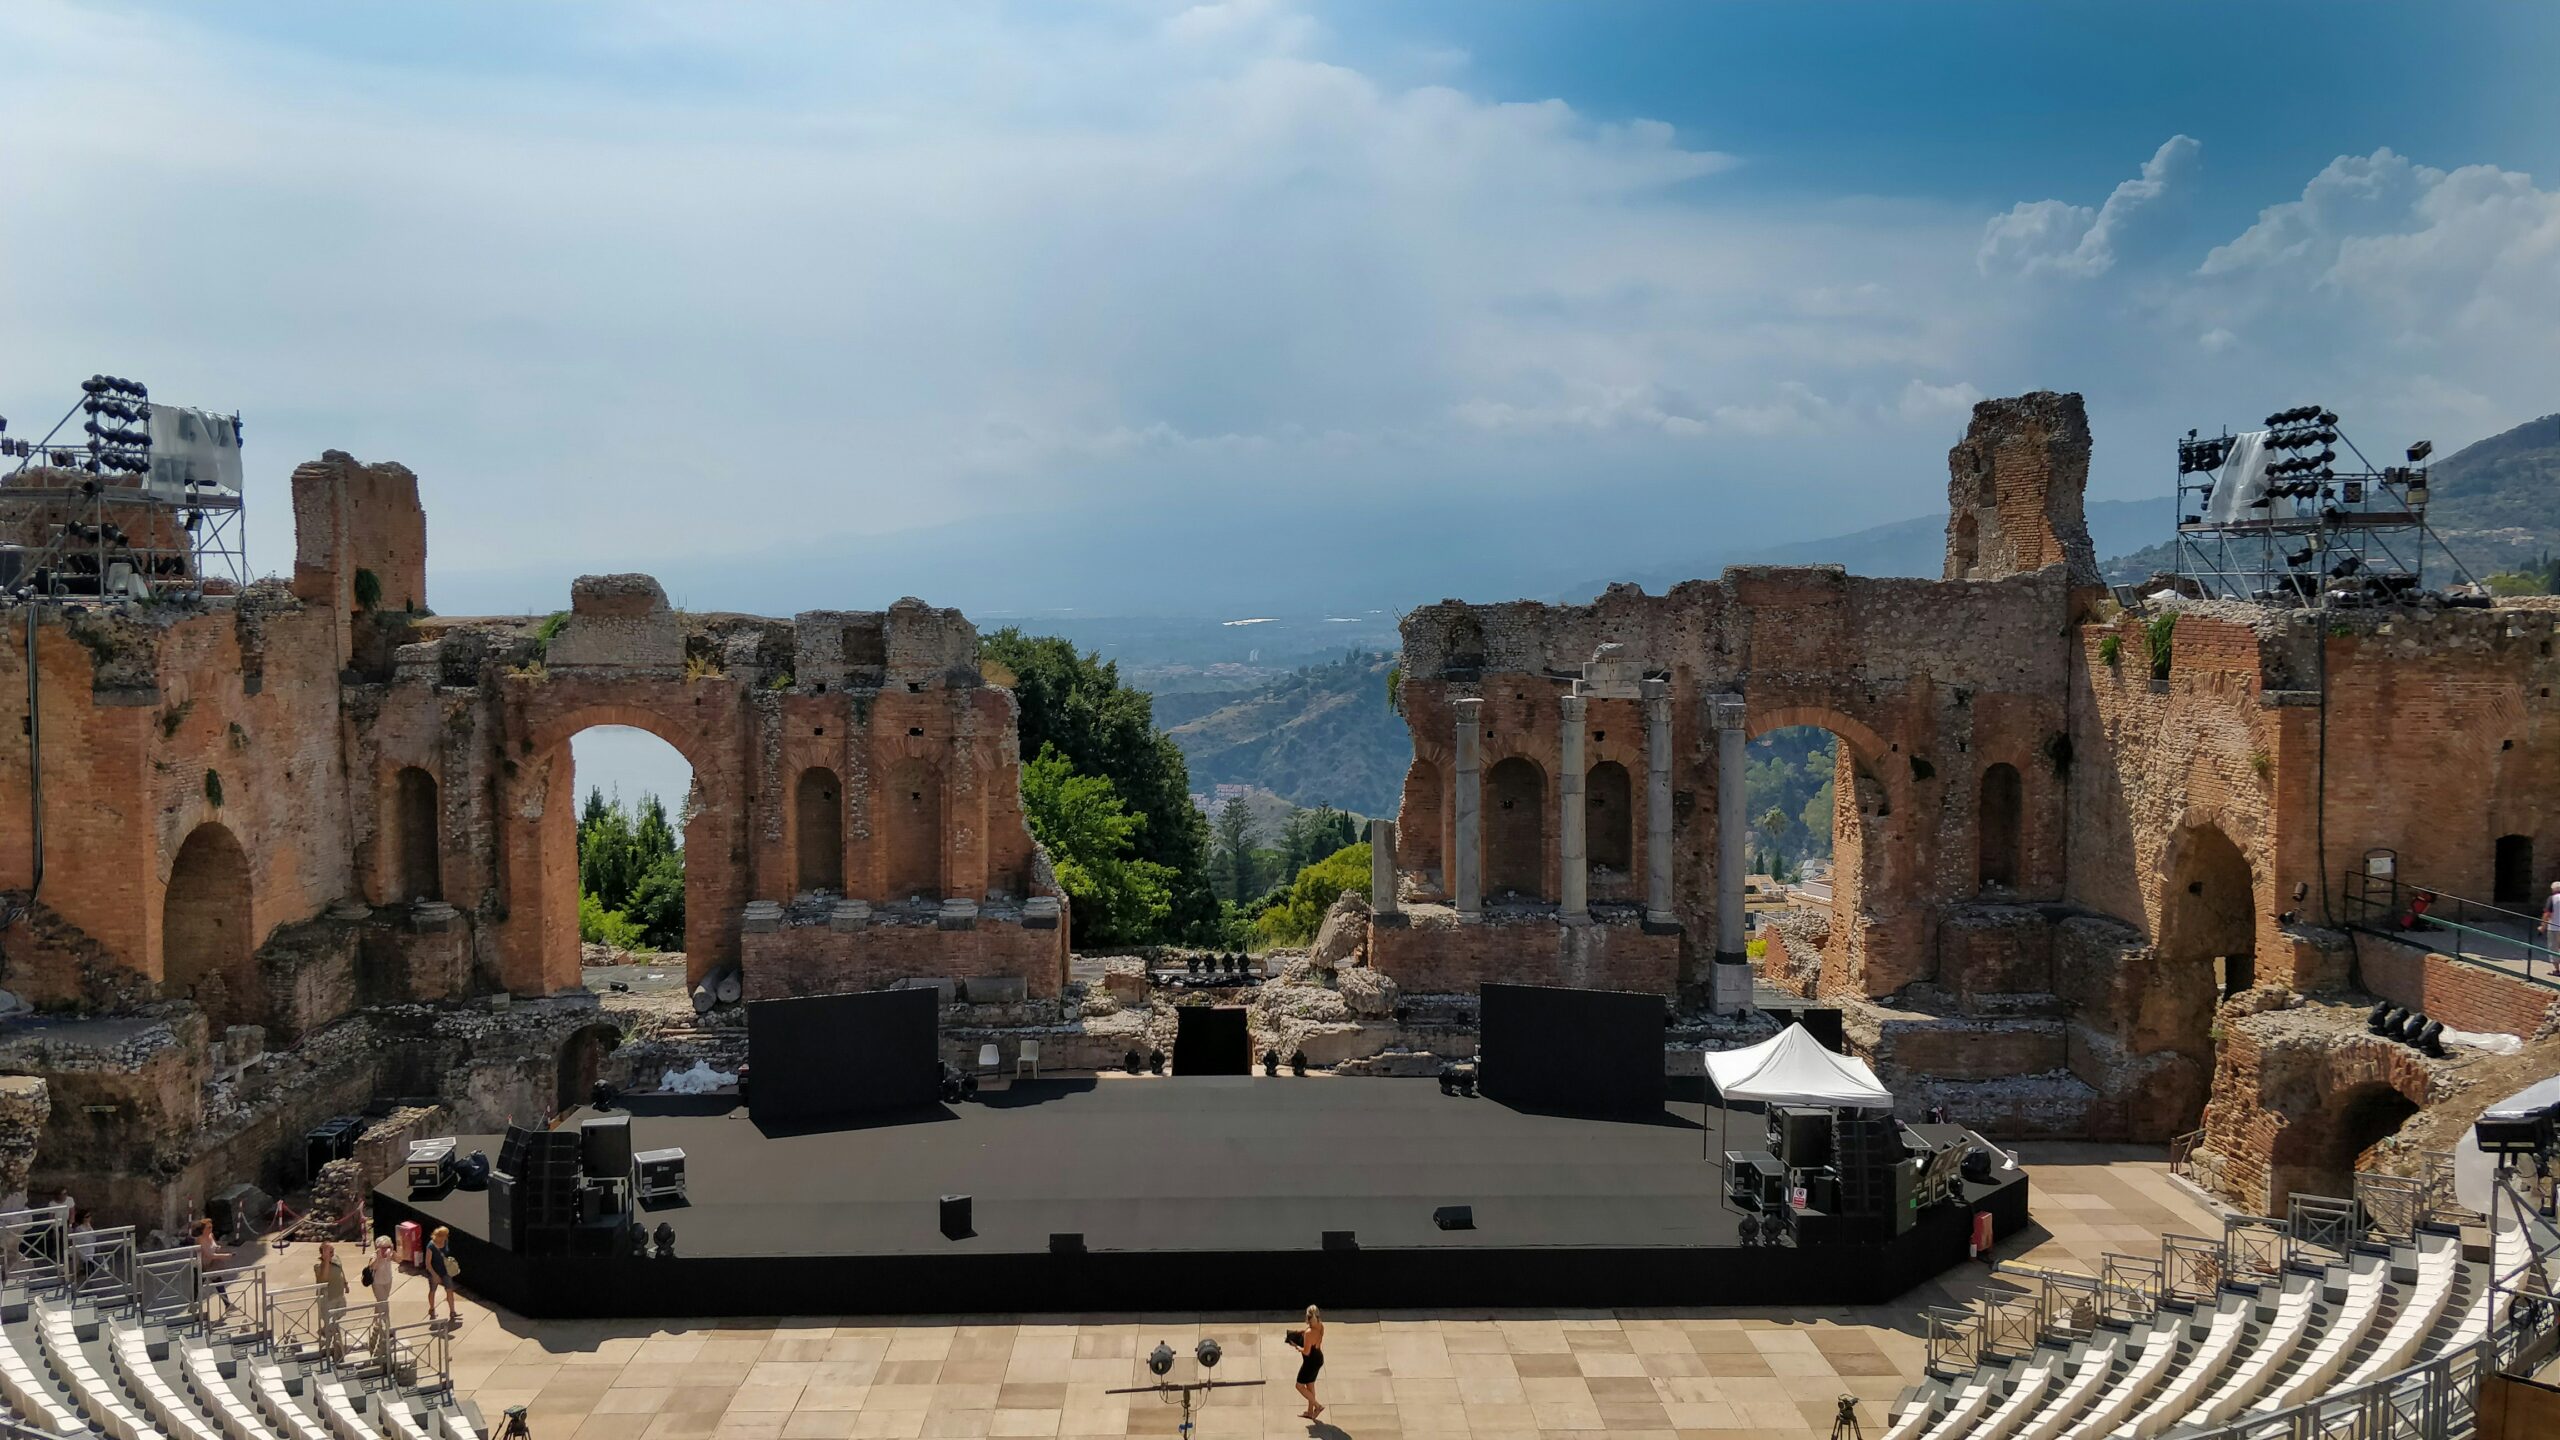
1318,736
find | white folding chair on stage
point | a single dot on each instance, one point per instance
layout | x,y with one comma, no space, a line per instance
988,1061
1029,1059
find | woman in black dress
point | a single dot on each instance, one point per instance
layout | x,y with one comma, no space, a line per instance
1310,1344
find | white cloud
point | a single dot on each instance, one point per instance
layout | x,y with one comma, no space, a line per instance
2074,240
1924,401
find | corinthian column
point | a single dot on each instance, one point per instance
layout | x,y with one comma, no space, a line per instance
1571,847
1657,803
1730,984
1466,868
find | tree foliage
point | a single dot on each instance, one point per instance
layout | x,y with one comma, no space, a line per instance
1235,855
1117,898
1787,785
1296,913
1103,728
630,874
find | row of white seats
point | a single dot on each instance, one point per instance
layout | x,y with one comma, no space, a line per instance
32,1394
2421,1310
2347,1328
341,1409
202,1370
130,1350
2213,1356
58,1333
2265,1363
277,1401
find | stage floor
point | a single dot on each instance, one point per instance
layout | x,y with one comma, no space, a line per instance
1167,1176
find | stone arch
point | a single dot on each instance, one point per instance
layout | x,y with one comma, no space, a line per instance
539,859
817,818
2320,1152
581,1063
417,837
1609,829
2205,949
910,807
1873,838
2511,880
1997,826
1515,828
205,940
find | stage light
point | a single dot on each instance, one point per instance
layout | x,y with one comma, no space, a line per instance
666,1241
1448,1079
1133,1062
2299,558
1270,1062
2382,1021
602,1094
1207,1353
1298,1063
1155,1062
1160,1359
2421,451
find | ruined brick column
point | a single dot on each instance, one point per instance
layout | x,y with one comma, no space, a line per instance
1657,804
1466,868
1571,848
1730,988
1382,869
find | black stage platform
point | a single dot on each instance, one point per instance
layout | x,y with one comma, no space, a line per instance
1203,1193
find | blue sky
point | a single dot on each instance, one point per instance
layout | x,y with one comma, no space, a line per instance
1226,307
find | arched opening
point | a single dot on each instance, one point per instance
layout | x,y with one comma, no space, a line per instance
1515,817
205,944
1791,800
2003,802
634,804
582,1063
911,830
1609,817
418,837
2512,882
2319,1154
2206,951
817,811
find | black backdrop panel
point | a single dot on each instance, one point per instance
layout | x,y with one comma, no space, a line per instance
1589,1052
1212,1040
843,1054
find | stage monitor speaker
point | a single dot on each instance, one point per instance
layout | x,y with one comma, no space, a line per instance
1800,1135
1977,1165
1455,1217
506,1211
1341,1240
1066,1242
825,1055
1212,1040
1589,1052
955,1218
604,1145
1865,1148
1906,1193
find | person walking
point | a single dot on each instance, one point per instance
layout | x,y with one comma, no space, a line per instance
2551,918
438,1263
1309,1343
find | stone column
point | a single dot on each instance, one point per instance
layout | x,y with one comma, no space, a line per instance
1382,869
1466,867
1657,804
1571,848
1730,989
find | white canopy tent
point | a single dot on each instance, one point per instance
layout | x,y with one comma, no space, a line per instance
1794,1069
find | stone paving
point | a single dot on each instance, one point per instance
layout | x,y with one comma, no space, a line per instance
1388,1376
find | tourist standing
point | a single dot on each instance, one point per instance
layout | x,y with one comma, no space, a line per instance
331,1277
440,1272
2551,918
1309,1343
380,1275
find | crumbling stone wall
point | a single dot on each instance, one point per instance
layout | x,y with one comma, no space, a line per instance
2013,490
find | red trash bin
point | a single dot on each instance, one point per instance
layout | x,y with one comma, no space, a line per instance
410,1244
1981,1233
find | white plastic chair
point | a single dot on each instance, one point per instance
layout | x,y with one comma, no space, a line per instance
1028,1059
988,1061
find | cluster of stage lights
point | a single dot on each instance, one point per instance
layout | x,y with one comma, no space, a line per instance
119,414
1208,1352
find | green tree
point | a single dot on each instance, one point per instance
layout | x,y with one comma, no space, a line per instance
1310,835
1232,856
631,868
1118,899
1103,728
1295,915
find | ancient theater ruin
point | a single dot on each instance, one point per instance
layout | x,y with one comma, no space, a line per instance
2105,861
2100,867
305,846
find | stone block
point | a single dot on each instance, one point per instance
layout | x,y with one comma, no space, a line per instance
849,915
760,917
993,989
958,915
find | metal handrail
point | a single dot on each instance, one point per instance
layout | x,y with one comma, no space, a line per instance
2384,906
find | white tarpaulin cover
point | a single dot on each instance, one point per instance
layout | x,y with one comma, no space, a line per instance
1794,1069
2243,479
193,447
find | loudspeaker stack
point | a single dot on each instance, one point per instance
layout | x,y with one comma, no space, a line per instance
1868,1148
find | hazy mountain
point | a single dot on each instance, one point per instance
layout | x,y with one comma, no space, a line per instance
1318,736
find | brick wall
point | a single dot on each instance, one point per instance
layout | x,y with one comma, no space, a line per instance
1433,954
816,960
2463,996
